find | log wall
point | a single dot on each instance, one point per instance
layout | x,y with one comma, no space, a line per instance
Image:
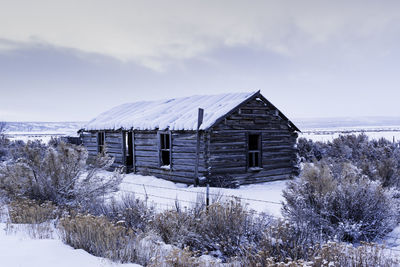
228,145
146,153
113,145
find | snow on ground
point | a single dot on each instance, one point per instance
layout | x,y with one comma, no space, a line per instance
31,136
264,197
328,134
18,249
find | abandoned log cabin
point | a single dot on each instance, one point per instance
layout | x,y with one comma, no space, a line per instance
242,137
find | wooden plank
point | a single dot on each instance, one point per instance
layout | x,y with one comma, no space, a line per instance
146,148
114,150
146,153
157,171
182,142
230,170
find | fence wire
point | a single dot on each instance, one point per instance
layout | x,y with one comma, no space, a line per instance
171,205
204,193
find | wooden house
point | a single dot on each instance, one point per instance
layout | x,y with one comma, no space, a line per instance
242,137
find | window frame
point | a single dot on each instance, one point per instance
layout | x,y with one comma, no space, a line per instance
254,151
161,149
101,136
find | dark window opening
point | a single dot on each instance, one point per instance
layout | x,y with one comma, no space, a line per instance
254,151
100,142
165,149
128,149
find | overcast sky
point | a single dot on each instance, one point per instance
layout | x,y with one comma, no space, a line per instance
70,60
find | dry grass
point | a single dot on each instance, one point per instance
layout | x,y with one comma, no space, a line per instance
330,254
99,237
26,211
36,219
343,254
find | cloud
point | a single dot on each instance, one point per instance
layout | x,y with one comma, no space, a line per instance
158,33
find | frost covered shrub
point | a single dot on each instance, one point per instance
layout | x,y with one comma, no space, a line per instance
132,213
331,254
59,174
99,237
30,211
4,142
309,150
181,258
280,243
222,230
344,254
177,228
378,159
229,225
349,208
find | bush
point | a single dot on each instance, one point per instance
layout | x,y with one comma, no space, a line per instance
349,208
132,213
378,159
327,255
282,241
31,212
222,230
343,254
99,237
309,150
181,258
58,174
36,219
3,141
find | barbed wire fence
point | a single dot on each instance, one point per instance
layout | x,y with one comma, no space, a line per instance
206,196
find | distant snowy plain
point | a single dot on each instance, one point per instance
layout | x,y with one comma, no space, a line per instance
316,131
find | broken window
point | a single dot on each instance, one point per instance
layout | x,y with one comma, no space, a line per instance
100,142
165,149
254,151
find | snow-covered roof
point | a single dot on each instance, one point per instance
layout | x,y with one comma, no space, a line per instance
172,114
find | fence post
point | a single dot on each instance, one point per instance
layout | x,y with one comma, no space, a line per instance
145,194
208,195
196,167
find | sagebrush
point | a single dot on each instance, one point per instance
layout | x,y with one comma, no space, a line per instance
63,174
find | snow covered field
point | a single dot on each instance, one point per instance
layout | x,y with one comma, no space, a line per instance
328,134
17,248
41,130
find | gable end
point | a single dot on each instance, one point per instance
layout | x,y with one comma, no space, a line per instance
260,97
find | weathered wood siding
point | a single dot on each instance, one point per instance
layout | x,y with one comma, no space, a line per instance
146,153
228,145
113,145
183,156
89,140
